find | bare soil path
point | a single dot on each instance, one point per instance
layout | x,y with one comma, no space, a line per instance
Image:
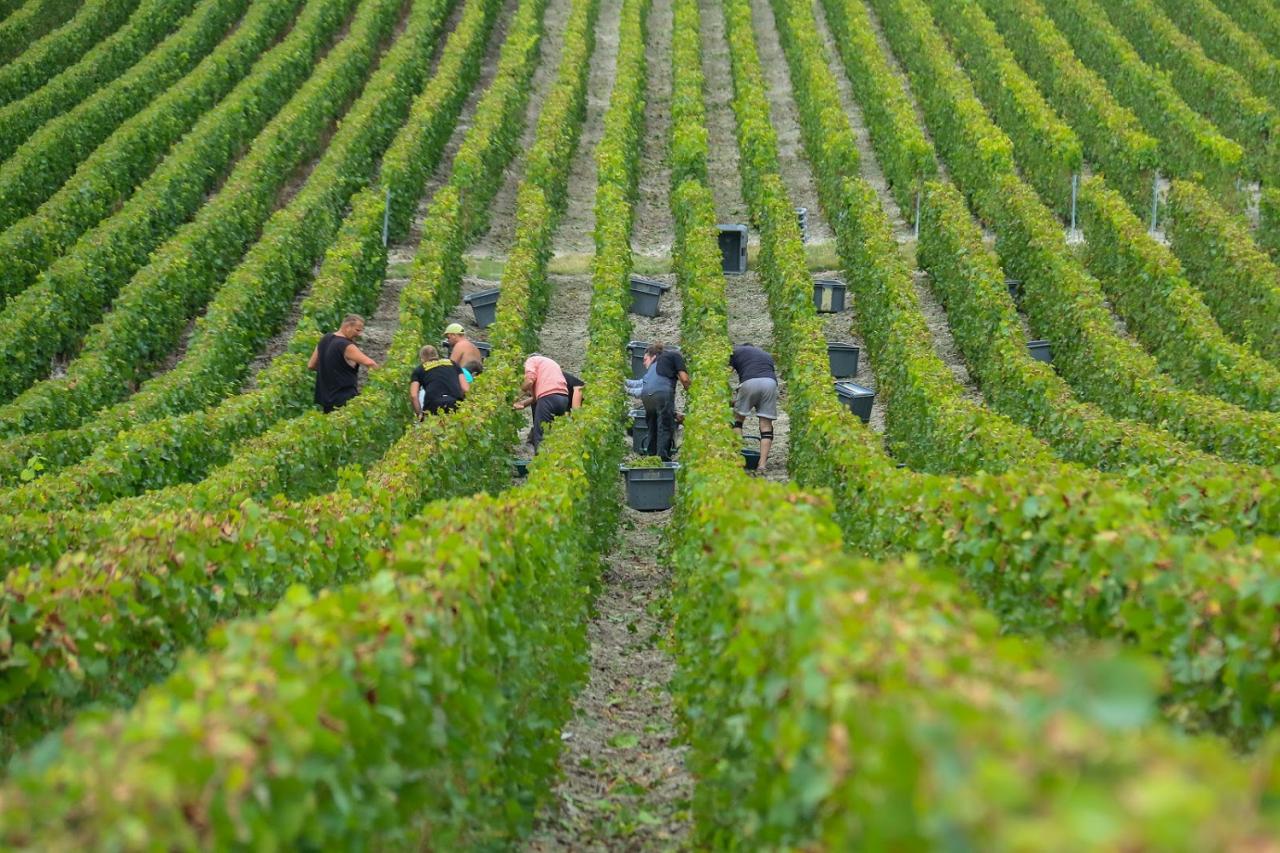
498,239
654,230
750,323
748,309
868,162
624,786
502,209
722,134
575,234
797,175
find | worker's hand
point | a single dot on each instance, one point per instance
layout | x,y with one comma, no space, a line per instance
518,406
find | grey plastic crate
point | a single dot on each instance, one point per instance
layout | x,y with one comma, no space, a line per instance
483,346
733,249
858,399
651,489
636,349
843,358
639,431
645,295
653,281
1015,289
828,295
484,305
1040,351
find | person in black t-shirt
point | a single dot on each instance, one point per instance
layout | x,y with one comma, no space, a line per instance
436,384
757,393
663,369
336,361
576,387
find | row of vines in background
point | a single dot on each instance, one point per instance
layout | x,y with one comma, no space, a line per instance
929,423
1216,91
1113,135
53,316
1204,493
130,54
129,457
1149,291
1190,146
80,185
1212,243
243,305
184,448
21,23
1144,280
27,66
1193,490
170,195
1239,283
1063,302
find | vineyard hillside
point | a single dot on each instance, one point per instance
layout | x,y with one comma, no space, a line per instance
640,425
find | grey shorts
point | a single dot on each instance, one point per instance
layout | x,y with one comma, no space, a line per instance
759,396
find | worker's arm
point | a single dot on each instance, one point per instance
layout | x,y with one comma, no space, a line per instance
463,383
526,393
576,402
314,361
353,356
684,379
413,397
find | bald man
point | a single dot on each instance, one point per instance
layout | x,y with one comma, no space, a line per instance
337,361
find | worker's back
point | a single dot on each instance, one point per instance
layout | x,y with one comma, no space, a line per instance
335,377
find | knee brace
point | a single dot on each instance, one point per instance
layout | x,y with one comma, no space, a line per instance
766,434
738,422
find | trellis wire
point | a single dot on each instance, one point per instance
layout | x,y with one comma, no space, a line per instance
1075,191
386,218
1155,199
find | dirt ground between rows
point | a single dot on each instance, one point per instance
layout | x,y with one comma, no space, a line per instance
797,175
502,209
624,786
653,230
577,227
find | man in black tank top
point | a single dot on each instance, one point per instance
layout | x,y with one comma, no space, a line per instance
337,361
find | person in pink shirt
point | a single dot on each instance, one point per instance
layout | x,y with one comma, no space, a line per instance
545,387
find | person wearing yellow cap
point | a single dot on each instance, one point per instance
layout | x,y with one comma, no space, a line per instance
461,351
